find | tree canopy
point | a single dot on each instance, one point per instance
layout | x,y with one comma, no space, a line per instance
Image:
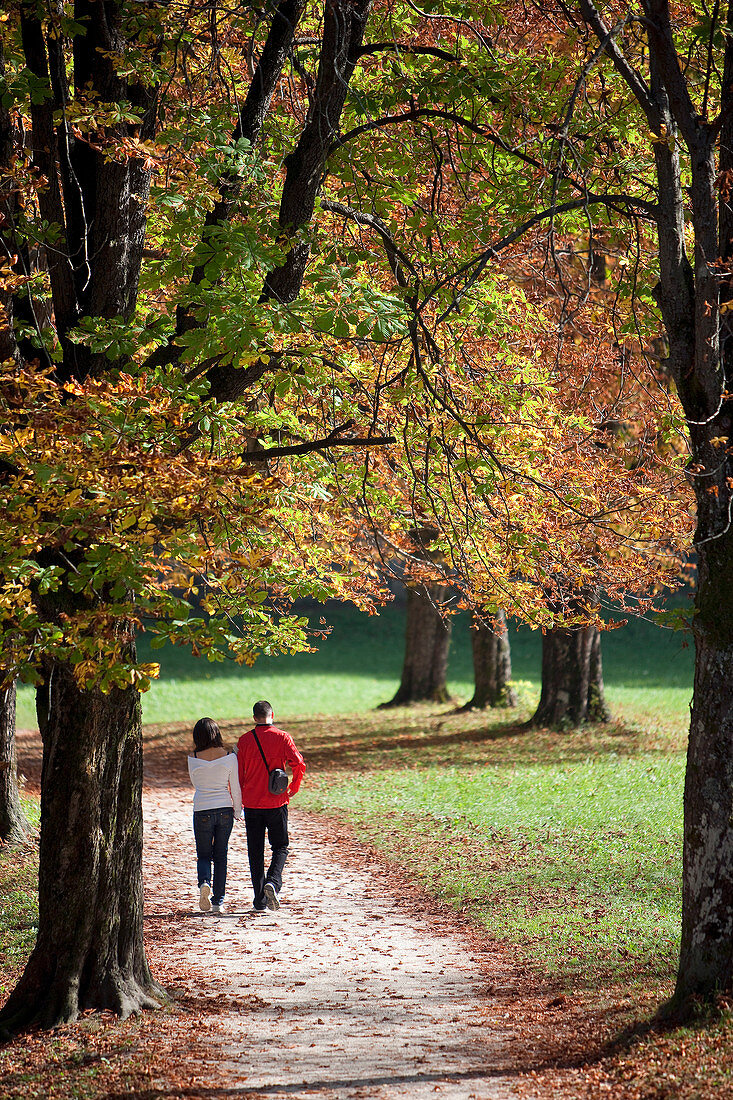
277,291
368,293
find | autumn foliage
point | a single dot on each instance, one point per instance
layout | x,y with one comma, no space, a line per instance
544,470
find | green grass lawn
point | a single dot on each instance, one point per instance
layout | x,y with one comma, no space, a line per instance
18,904
566,844
648,672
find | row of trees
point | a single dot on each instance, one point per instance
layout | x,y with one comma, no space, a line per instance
281,284
572,674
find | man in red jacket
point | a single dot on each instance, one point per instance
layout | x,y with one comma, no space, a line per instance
265,812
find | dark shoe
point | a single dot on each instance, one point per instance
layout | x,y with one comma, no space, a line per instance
271,897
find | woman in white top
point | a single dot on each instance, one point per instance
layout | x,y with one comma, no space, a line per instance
216,802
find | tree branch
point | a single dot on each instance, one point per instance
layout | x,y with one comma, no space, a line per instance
634,79
488,132
478,262
399,47
343,31
50,202
661,42
275,52
395,255
409,116
317,445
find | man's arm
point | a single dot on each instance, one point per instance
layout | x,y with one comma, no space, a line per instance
296,763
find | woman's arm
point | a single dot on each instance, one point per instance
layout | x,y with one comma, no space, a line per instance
234,788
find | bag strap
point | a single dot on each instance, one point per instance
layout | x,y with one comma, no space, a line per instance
259,746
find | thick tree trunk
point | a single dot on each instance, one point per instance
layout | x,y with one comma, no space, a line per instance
13,825
706,953
706,950
427,641
492,664
89,952
572,679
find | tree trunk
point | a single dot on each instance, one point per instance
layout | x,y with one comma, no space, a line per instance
706,951
572,679
492,664
427,641
13,825
89,952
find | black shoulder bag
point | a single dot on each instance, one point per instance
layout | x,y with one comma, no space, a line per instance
277,779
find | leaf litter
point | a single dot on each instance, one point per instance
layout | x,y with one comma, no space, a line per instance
362,985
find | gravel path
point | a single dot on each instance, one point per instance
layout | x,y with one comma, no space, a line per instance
347,991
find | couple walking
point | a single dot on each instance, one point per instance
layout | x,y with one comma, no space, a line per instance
226,783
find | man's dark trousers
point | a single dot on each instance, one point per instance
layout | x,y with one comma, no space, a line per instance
274,822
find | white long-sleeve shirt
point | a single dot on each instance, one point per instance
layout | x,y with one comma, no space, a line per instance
216,783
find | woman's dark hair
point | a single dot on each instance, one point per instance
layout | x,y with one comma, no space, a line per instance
207,735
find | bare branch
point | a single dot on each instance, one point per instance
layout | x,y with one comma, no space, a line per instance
623,203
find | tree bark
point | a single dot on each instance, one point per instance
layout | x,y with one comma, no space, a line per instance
13,825
89,952
572,679
492,664
706,950
427,641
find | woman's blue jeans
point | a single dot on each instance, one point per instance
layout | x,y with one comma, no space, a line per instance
211,830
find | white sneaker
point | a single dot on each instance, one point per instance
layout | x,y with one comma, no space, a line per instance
218,908
271,897
205,897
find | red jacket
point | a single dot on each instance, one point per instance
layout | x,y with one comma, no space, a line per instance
279,749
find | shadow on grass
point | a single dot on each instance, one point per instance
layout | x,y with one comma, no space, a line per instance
339,756
417,736
460,740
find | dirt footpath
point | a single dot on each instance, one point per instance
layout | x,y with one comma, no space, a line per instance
347,991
